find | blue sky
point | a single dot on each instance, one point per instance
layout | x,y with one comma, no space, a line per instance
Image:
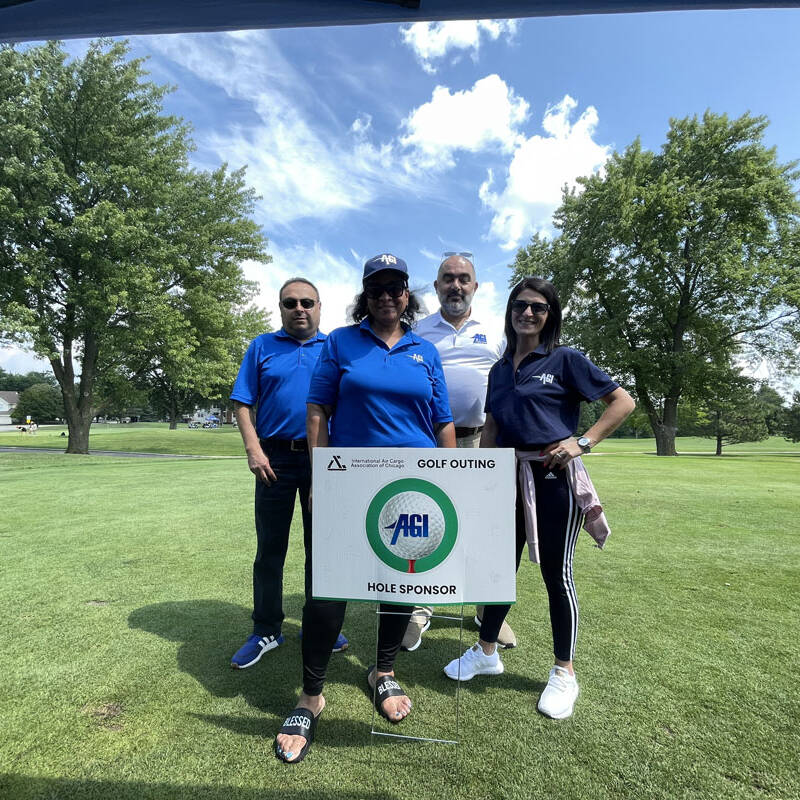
451,136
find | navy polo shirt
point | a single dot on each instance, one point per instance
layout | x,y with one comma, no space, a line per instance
539,403
274,376
381,396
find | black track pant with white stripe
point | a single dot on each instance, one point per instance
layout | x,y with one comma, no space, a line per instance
558,520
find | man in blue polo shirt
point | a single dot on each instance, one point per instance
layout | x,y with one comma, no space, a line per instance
270,402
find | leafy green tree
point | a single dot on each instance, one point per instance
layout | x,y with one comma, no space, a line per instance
215,336
41,402
774,409
791,430
733,413
13,382
102,219
542,258
675,264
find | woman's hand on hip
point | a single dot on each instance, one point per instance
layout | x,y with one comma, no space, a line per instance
559,454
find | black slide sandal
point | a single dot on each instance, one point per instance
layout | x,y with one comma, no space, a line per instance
301,722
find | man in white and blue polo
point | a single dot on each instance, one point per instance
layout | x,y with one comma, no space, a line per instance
468,349
270,403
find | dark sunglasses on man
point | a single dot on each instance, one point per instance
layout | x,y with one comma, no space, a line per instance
393,288
519,306
290,302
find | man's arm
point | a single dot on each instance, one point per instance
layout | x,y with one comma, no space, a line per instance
257,459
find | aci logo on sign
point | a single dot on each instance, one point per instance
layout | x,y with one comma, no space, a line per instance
411,525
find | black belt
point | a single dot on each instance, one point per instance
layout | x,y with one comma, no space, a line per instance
462,432
292,445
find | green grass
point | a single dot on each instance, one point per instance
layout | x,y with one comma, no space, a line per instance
125,588
139,437
155,437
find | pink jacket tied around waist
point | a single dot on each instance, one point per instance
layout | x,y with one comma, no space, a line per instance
583,491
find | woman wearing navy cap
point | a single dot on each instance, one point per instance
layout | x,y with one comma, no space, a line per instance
533,405
380,385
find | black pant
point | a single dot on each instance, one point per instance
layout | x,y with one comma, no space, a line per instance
558,521
322,621
274,507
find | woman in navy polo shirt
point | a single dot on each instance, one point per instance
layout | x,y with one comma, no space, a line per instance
533,405
380,385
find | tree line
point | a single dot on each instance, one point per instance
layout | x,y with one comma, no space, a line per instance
122,265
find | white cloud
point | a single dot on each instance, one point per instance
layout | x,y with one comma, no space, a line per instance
338,279
300,159
432,41
18,360
485,116
539,169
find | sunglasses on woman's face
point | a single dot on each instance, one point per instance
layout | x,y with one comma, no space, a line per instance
290,302
394,289
519,306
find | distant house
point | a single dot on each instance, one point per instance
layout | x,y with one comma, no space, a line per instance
8,402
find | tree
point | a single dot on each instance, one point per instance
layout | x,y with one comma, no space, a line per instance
791,429
732,413
13,382
203,370
41,402
676,264
774,409
102,219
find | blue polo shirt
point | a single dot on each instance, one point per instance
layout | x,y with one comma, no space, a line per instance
381,396
539,403
274,376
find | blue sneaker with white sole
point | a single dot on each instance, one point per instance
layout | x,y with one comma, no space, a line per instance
255,647
341,642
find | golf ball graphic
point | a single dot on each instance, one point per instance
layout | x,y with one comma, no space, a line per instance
411,525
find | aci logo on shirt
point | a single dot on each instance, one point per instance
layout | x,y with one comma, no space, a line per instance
411,525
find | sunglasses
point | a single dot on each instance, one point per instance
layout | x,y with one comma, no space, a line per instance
394,289
290,302
466,254
519,306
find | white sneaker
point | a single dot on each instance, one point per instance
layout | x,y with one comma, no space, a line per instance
559,696
474,662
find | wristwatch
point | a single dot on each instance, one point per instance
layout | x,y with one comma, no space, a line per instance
585,444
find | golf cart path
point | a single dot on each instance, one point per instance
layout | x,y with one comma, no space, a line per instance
120,453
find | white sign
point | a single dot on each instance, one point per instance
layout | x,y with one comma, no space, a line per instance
414,525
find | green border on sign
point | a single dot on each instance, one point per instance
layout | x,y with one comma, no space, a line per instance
448,512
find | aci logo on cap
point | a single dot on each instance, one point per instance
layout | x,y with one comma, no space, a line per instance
411,525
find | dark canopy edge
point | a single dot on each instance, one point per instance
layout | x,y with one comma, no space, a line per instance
28,20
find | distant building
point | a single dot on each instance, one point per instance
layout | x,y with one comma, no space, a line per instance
8,402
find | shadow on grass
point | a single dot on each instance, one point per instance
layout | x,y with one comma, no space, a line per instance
209,632
203,628
23,787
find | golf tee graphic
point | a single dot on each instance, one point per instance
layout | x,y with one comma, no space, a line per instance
414,526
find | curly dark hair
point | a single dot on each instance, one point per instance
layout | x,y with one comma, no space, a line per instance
359,310
552,328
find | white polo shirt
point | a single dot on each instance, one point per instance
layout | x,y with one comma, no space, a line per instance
467,356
